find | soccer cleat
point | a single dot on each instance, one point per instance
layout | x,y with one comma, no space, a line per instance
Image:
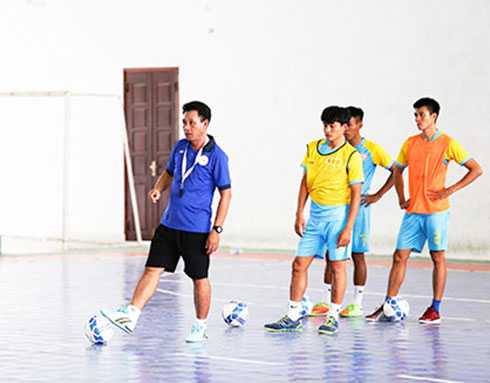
285,324
351,311
430,316
198,334
120,318
320,310
330,326
377,316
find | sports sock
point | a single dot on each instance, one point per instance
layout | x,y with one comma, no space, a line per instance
327,293
133,313
436,304
358,294
334,311
294,310
201,322
387,299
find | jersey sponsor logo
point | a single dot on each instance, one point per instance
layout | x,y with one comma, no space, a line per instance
333,161
364,157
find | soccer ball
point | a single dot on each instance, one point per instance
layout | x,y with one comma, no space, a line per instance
396,309
235,313
98,330
306,306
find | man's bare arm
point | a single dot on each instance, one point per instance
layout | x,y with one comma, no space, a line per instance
345,235
368,199
300,222
474,171
212,242
400,187
163,183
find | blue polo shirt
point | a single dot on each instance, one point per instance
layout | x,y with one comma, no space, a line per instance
192,211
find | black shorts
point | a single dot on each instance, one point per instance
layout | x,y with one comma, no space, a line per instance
168,245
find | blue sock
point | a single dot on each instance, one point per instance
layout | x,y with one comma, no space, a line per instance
387,299
436,304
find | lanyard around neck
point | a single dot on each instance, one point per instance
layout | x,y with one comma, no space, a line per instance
187,173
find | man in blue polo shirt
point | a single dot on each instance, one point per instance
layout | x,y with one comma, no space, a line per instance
197,166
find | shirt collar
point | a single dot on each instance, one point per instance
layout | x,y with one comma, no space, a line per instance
208,147
438,133
361,143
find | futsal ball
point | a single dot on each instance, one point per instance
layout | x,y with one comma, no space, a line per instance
235,313
396,309
306,306
98,330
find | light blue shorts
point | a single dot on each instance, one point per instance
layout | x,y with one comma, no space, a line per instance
321,235
418,228
362,230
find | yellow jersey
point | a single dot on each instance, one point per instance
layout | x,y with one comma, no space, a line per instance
330,172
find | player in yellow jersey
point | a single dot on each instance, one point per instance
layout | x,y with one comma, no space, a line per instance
372,155
333,178
427,156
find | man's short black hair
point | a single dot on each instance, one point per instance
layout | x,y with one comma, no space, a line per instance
431,104
356,112
333,114
200,107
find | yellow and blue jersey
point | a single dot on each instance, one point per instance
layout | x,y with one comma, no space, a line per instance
372,155
329,172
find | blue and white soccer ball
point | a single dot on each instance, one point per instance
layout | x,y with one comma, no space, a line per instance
235,313
306,306
396,309
98,330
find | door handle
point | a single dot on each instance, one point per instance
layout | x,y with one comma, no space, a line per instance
153,168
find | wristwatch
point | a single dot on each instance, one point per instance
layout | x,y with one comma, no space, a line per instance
218,229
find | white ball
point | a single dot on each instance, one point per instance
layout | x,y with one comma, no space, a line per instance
98,330
235,313
306,306
396,309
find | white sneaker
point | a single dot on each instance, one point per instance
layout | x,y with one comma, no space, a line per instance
198,334
120,318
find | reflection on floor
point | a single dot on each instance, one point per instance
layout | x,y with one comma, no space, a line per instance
46,300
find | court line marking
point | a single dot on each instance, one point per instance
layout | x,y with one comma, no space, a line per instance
427,379
232,284
282,306
465,319
214,299
192,296
229,359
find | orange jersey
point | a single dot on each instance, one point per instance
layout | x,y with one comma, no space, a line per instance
427,169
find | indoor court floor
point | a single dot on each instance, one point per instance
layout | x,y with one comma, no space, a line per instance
47,299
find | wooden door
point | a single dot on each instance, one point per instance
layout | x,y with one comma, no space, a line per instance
152,112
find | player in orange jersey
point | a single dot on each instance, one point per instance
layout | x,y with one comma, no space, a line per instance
427,156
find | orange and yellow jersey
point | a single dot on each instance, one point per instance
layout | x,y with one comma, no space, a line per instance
427,169
330,172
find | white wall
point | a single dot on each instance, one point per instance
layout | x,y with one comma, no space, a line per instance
267,69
